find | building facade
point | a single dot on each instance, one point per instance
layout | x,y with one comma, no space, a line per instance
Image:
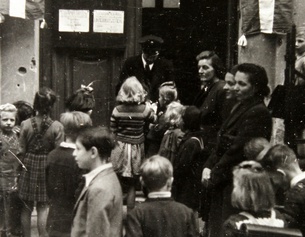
63,53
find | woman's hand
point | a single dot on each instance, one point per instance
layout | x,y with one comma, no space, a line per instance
206,175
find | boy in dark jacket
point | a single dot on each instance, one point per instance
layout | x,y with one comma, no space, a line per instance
159,215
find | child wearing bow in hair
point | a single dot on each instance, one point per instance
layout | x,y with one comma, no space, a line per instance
82,100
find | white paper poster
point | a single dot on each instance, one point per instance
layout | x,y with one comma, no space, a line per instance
171,3
73,20
17,8
105,21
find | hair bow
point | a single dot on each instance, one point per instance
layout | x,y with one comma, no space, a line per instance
87,88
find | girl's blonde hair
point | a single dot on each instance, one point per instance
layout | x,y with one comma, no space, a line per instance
168,91
173,114
131,91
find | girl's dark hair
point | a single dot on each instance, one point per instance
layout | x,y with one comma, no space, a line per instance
44,100
257,77
233,69
82,100
24,111
217,64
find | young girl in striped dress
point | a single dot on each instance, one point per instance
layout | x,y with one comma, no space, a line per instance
127,122
39,135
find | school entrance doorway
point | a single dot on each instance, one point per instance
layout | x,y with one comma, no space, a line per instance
189,28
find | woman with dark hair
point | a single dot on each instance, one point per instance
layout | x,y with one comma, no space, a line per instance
253,195
215,101
210,99
250,118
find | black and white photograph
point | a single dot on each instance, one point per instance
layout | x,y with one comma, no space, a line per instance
152,118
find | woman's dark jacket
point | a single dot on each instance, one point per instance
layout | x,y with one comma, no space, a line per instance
250,119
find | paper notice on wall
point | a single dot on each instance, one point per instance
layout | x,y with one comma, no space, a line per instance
171,3
108,21
73,20
17,8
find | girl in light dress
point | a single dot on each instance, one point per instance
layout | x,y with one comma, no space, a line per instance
128,120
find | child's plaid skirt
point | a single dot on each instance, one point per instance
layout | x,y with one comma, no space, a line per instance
32,183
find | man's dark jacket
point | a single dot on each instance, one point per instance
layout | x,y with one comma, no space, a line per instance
161,71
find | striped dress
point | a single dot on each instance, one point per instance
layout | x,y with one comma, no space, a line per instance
127,122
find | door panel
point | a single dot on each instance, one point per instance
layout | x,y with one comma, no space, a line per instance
73,68
98,72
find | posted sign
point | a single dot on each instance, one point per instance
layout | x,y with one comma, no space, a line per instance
105,21
73,20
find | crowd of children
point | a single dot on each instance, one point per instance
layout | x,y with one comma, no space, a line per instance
74,173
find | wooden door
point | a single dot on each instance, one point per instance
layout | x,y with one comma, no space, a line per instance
98,72
73,68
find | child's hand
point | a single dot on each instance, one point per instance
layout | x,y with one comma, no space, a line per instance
16,129
206,175
154,107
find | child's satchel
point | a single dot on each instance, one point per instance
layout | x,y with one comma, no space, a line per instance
36,145
200,159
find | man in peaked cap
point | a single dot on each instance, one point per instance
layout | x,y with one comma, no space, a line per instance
148,67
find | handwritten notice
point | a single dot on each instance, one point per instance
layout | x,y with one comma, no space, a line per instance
105,21
73,20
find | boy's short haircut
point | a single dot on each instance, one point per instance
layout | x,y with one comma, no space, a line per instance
8,108
74,121
24,111
155,172
100,137
256,148
300,32
280,156
192,118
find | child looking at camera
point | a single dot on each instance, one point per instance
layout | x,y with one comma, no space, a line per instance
8,165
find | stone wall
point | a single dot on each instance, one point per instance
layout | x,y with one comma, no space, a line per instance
19,60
